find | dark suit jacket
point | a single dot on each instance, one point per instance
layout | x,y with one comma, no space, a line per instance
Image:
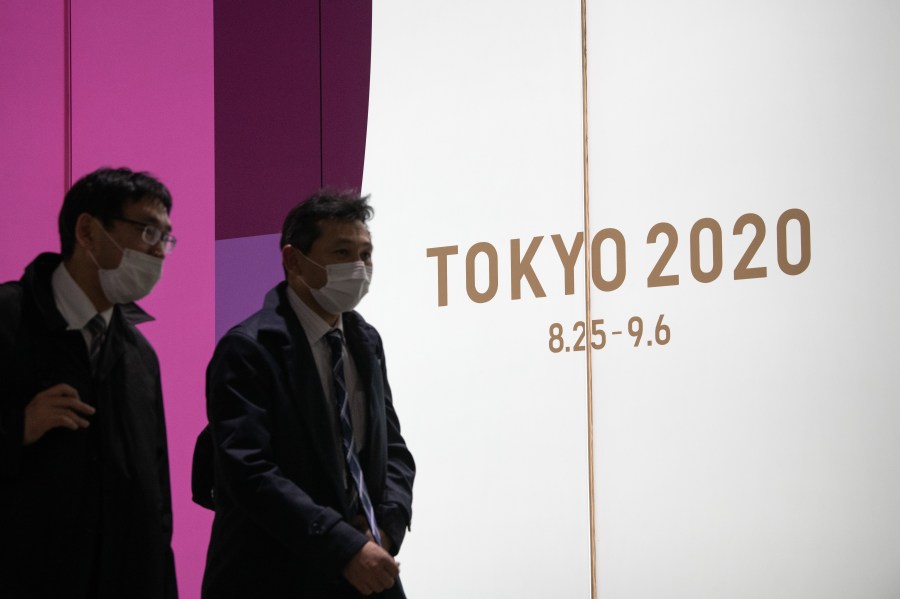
282,508
83,513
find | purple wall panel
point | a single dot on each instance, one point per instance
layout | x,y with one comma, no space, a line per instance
32,118
246,268
346,61
143,97
267,112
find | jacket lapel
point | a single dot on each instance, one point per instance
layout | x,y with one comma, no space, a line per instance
119,335
110,406
307,397
369,372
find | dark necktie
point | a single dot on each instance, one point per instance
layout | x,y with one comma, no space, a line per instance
335,341
97,330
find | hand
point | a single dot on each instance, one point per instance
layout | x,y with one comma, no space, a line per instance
360,523
385,540
58,406
371,570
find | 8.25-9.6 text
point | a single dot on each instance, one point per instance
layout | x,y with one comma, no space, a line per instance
662,334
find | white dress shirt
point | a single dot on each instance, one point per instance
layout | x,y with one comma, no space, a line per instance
315,329
73,303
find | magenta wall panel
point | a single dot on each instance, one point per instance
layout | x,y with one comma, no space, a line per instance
346,61
290,111
291,116
267,112
32,117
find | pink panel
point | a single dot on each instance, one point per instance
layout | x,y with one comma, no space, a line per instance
143,97
31,130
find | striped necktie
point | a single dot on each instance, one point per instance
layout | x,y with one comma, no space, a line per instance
96,328
336,341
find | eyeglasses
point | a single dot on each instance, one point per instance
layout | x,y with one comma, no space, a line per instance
152,234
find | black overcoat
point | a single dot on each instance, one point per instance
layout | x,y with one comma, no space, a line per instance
83,513
281,525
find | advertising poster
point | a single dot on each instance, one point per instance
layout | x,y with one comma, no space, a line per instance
734,431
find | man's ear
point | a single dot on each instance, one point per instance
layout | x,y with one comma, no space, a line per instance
290,260
84,231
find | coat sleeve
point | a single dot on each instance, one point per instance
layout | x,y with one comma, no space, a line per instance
170,587
12,403
241,389
394,512
12,422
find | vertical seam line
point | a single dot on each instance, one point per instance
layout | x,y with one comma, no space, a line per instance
321,107
587,300
67,94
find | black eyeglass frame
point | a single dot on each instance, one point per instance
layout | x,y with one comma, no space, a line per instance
151,234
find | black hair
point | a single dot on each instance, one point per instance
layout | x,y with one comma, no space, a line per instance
104,194
301,226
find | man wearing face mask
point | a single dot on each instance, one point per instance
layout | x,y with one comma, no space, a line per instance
85,506
313,480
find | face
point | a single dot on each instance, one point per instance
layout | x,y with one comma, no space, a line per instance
340,242
128,235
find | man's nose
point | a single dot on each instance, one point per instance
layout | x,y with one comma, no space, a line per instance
158,249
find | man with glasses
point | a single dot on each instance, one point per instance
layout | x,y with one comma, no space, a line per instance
85,505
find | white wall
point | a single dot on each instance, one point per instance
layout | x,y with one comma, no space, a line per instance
756,453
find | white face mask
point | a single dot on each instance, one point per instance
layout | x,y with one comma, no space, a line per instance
133,279
346,284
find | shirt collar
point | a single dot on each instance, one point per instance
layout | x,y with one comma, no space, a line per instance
72,302
313,324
